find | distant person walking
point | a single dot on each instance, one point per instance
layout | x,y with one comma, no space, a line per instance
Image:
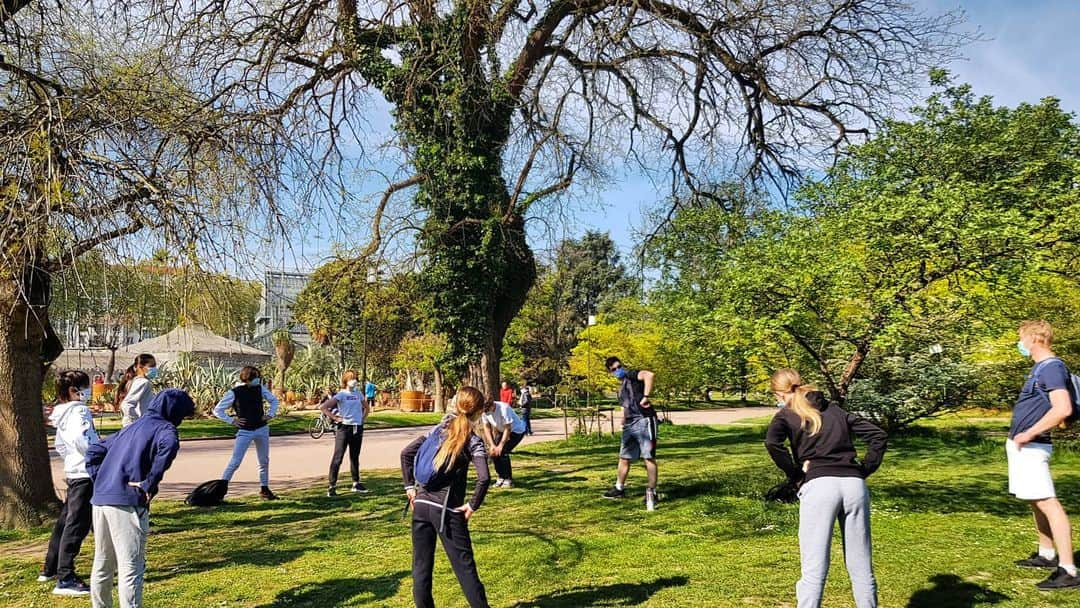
126,468
440,510
370,392
136,390
1045,401
506,393
74,433
639,429
246,400
832,484
505,430
348,409
525,401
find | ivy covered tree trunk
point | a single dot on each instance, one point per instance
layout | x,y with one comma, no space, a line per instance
27,497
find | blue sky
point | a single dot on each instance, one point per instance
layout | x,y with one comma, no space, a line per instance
1027,52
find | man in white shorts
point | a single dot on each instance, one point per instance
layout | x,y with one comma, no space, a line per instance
1044,402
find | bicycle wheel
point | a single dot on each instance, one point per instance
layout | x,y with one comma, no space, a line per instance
317,428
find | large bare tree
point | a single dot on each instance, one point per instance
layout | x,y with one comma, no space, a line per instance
103,136
500,104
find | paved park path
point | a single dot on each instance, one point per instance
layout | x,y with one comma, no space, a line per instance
298,461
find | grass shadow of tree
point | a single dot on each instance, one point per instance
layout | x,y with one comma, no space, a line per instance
618,594
337,592
951,591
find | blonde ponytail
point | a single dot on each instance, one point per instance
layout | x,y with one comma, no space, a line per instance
470,406
787,380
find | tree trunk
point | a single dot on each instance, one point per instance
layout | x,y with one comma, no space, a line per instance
27,497
111,367
440,401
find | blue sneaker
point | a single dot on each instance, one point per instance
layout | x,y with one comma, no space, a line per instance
71,587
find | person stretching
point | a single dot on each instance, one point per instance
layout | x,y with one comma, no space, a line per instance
504,429
639,429
348,408
439,509
74,433
1044,403
246,400
832,484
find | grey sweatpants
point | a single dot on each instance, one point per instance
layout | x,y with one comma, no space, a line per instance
822,502
119,548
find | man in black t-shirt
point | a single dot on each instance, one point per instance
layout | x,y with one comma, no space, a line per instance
639,428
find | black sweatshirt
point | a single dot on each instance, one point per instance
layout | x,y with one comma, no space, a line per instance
474,451
830,452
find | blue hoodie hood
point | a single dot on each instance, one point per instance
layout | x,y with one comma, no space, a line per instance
173,405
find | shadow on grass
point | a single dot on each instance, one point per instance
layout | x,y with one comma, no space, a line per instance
619,594
266,556
951,591
565,555
337,592
979,494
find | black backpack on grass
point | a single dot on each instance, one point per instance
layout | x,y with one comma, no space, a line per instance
208,493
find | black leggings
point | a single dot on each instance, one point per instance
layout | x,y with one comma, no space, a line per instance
70,530
458,546
502,463
351,436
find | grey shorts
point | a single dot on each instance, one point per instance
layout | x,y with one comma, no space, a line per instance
639,439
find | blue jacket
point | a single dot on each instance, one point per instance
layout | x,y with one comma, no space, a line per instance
140,452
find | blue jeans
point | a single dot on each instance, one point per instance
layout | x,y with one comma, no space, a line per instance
261,438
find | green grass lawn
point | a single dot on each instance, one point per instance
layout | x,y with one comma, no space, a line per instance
945,535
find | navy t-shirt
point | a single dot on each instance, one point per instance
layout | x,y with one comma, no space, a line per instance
1034,400
631,392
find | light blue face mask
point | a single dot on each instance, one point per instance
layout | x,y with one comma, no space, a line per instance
151,373
255,382
85,394
780,404
1025,351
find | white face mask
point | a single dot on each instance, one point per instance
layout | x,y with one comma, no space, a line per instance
352,385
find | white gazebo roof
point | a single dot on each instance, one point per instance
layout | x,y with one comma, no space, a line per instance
196,339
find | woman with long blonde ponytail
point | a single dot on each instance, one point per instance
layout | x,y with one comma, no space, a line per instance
823,463
439,507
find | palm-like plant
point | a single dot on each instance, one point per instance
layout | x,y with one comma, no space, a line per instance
285,350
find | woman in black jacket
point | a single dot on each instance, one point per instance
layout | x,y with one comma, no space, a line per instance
440,509
832,484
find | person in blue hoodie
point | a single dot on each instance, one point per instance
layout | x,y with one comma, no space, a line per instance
126,468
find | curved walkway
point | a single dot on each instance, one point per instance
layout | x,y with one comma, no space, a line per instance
298,461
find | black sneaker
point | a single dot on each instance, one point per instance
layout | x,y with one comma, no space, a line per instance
1037,561
359,488
1059,579
71,587
615,494
266,494
332,492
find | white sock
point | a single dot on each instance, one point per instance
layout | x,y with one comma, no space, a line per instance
1047,552
1070,569
618,486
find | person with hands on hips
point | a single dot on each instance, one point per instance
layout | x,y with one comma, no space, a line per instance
440,509
639,428
247,400
126,469
348,408
823,463
1045,402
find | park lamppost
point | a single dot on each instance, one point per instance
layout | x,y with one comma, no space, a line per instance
588,368
371,279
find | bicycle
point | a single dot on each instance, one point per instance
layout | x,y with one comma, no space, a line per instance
320,425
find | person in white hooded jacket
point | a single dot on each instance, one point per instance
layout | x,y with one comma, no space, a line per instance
74,433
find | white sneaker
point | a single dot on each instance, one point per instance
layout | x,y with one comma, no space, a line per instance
507,483
650,500
499,483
